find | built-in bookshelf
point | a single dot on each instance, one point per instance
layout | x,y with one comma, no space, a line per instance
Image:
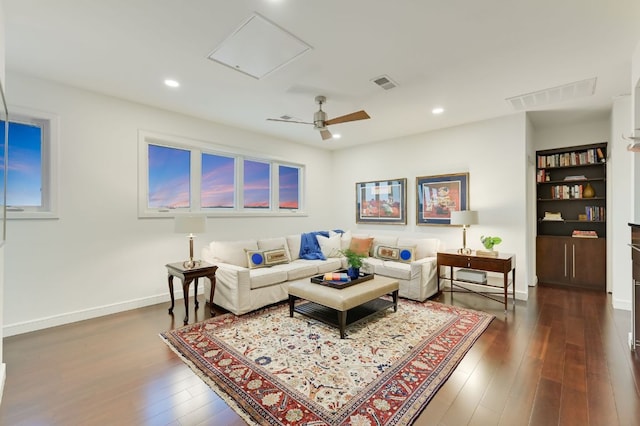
571,198
571,182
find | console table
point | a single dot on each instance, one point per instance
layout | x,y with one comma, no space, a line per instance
187,275
503,263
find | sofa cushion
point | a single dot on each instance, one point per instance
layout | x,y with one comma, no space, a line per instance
382,240
262,258
293,242
392,269
425,247
329,265
330,246
264,277
233,252
297,270
401,254
361,245
274,243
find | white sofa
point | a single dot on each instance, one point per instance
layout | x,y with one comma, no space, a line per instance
243,286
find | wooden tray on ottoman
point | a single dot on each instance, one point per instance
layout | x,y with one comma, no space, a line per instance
319,279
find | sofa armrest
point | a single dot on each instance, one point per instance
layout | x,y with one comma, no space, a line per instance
428,267
233,287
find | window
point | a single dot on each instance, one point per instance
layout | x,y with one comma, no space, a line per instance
218,182
169,181
257,185
181,175
32,169
289,187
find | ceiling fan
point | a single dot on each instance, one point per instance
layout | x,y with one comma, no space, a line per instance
320,121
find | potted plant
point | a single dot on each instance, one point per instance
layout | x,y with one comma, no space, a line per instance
355,262
489,242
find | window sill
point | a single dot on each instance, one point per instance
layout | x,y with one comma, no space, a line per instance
19,215
236,214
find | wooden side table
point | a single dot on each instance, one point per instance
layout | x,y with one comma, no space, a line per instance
187,275
503,263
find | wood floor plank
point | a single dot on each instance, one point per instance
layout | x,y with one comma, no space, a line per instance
546,405
560,358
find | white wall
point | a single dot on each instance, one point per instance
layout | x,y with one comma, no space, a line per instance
492,151
635,130
619,206
571,134
2,247
99,257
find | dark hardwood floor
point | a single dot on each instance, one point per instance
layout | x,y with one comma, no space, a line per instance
562,358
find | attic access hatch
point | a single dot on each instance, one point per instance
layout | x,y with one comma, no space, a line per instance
258,47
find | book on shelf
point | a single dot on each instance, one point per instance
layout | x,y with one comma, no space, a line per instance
595,213
565,192
573,158
580,177
584,234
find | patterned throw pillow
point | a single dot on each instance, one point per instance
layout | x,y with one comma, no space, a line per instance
401,254
361,245
264,258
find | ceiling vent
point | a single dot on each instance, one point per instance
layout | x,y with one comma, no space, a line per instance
554,95
385,82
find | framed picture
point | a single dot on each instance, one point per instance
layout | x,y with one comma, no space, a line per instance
437,196
383,201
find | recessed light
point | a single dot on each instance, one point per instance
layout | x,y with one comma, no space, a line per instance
337,136
171,83
437,110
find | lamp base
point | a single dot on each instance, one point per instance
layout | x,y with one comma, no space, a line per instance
464,250
190,264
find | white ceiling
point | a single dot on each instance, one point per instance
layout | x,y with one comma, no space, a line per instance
466,56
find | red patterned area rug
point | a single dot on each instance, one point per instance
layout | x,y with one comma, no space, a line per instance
277,370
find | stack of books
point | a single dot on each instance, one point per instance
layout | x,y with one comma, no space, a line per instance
552,216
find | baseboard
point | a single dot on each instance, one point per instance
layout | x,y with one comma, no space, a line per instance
99,311
622,304
3,375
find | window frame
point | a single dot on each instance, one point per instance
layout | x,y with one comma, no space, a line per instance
50,125
197,148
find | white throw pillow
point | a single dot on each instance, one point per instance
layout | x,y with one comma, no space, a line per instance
345,239
233,252
330,246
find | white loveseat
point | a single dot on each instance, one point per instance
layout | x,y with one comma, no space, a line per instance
243,286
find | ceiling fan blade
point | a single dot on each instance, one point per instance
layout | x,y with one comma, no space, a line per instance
359,115
288,121
325,134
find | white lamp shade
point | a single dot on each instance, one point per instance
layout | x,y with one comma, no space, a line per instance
190,224
464,217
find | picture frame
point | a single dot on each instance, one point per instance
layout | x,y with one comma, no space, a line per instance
382,201
437,196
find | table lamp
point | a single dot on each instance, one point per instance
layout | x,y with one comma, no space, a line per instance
190,225
464,218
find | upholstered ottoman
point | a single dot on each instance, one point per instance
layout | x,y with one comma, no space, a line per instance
340,307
